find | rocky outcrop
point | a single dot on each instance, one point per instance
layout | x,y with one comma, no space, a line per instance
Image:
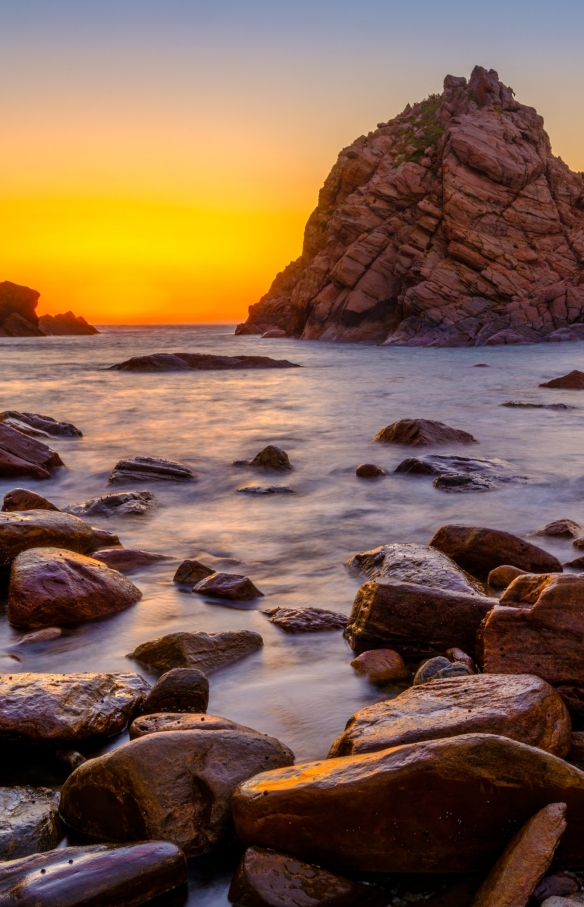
574,380
422,433
166,722
66,325
184,362
17,311
191,572
451,225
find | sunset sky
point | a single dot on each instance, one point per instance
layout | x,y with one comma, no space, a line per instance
159,157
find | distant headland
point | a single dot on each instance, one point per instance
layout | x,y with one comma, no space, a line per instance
18,317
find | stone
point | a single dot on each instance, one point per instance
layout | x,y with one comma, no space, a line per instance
103,540
560,529
21,456
525,860
440,806
455,654
228,585
369,471
266,489
574,380
66,325
127,559
422,433
480,550
516,404
29,821
416,620
165,722
45,424
556,885
576,753
150,469
61,709
381,666
176,785
452,225
173,362
502,576
41,529
273,458
51,586
124,503
93,875
179,690
417,564
519,706
31,639
205,651
265,878
305,620
441,668
23,499
191,572
17,311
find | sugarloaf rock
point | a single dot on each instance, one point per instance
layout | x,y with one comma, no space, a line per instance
451,225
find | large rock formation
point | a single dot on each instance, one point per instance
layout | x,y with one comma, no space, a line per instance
451,225
18,317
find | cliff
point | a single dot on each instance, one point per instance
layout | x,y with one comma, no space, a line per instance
451,225
18,316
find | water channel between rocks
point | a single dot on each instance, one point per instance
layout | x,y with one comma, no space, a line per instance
299,688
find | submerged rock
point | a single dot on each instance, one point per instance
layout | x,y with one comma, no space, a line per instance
150,469
418,564
191,572
44,424
519,706
175,362
228,585
21,455
165,722
369,471
179,690
464,483
574,380
381,666
29,821
560,529
205,651
124,503
41,529
306,620
23,499
480,550
266,489
422,433
67,708
127,559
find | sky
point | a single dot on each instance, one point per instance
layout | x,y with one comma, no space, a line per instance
159,158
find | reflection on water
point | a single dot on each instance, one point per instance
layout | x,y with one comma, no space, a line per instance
299,688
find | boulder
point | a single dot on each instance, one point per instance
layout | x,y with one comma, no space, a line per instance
21,455
66,325
179,690
150,469
576,753
306,620
173,362
381,666
416,620
29,821
520,706
502,576
455,654
165,722
176,785
439,806
23,499
369,471
228,585
124,503
93,876
516,404
191,572
266,489
560,529
50,586
422,433
574,380
454,473
45,424
31,639
417,564
127,559
41,529
273,458
441,668
480,550
265,878
525,860
205,651
67,708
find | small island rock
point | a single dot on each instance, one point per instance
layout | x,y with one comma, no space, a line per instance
574,380
422,433
40,529
21,455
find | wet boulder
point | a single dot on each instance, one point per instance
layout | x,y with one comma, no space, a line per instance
574,380
166,722
176,785
103,539
21,455
50,586
418,564
520,706
439,806
369,471
502,576
560,529
480,550
451,465
305,620
67,708
381,666
228,585
191,572
127,559
441,668
422,433
455,654
179,690
124,503
29,821
205,651
23,499
150,469
93,876
45,424
41,529
416,620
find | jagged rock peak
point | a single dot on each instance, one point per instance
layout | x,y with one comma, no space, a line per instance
450,225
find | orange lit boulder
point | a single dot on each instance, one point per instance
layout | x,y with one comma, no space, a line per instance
205,651
23,499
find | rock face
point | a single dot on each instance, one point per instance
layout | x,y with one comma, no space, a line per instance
124,503
176,785
205,651
480,550
441,668
50,586
150,469
23,499
67,708
17,311
369,471
184,362
441,806
460,473
41,528
413,564
502,576
522,707
422,433
92,876
21,455
67,325
306,620
451,225
179,690
29,821
43,424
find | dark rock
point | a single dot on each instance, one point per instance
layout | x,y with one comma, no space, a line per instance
40,529
266,489
444,465
480,550
416,620
519,706
177,785
576,564
103,539
21,455
29,821
381,666
162,722
574,380
124,503
443,806
463,483
191,572
71,758
31,639
96,876
45,424
173,362
441,668
560,529
455,655
67,708
205,651
422,433
502,576
306,620
150,469
269,879
50,586
556,885
23,499
127,559
417,564
66,325
271,457
17,311
369,471
179,690
516,404
228,585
